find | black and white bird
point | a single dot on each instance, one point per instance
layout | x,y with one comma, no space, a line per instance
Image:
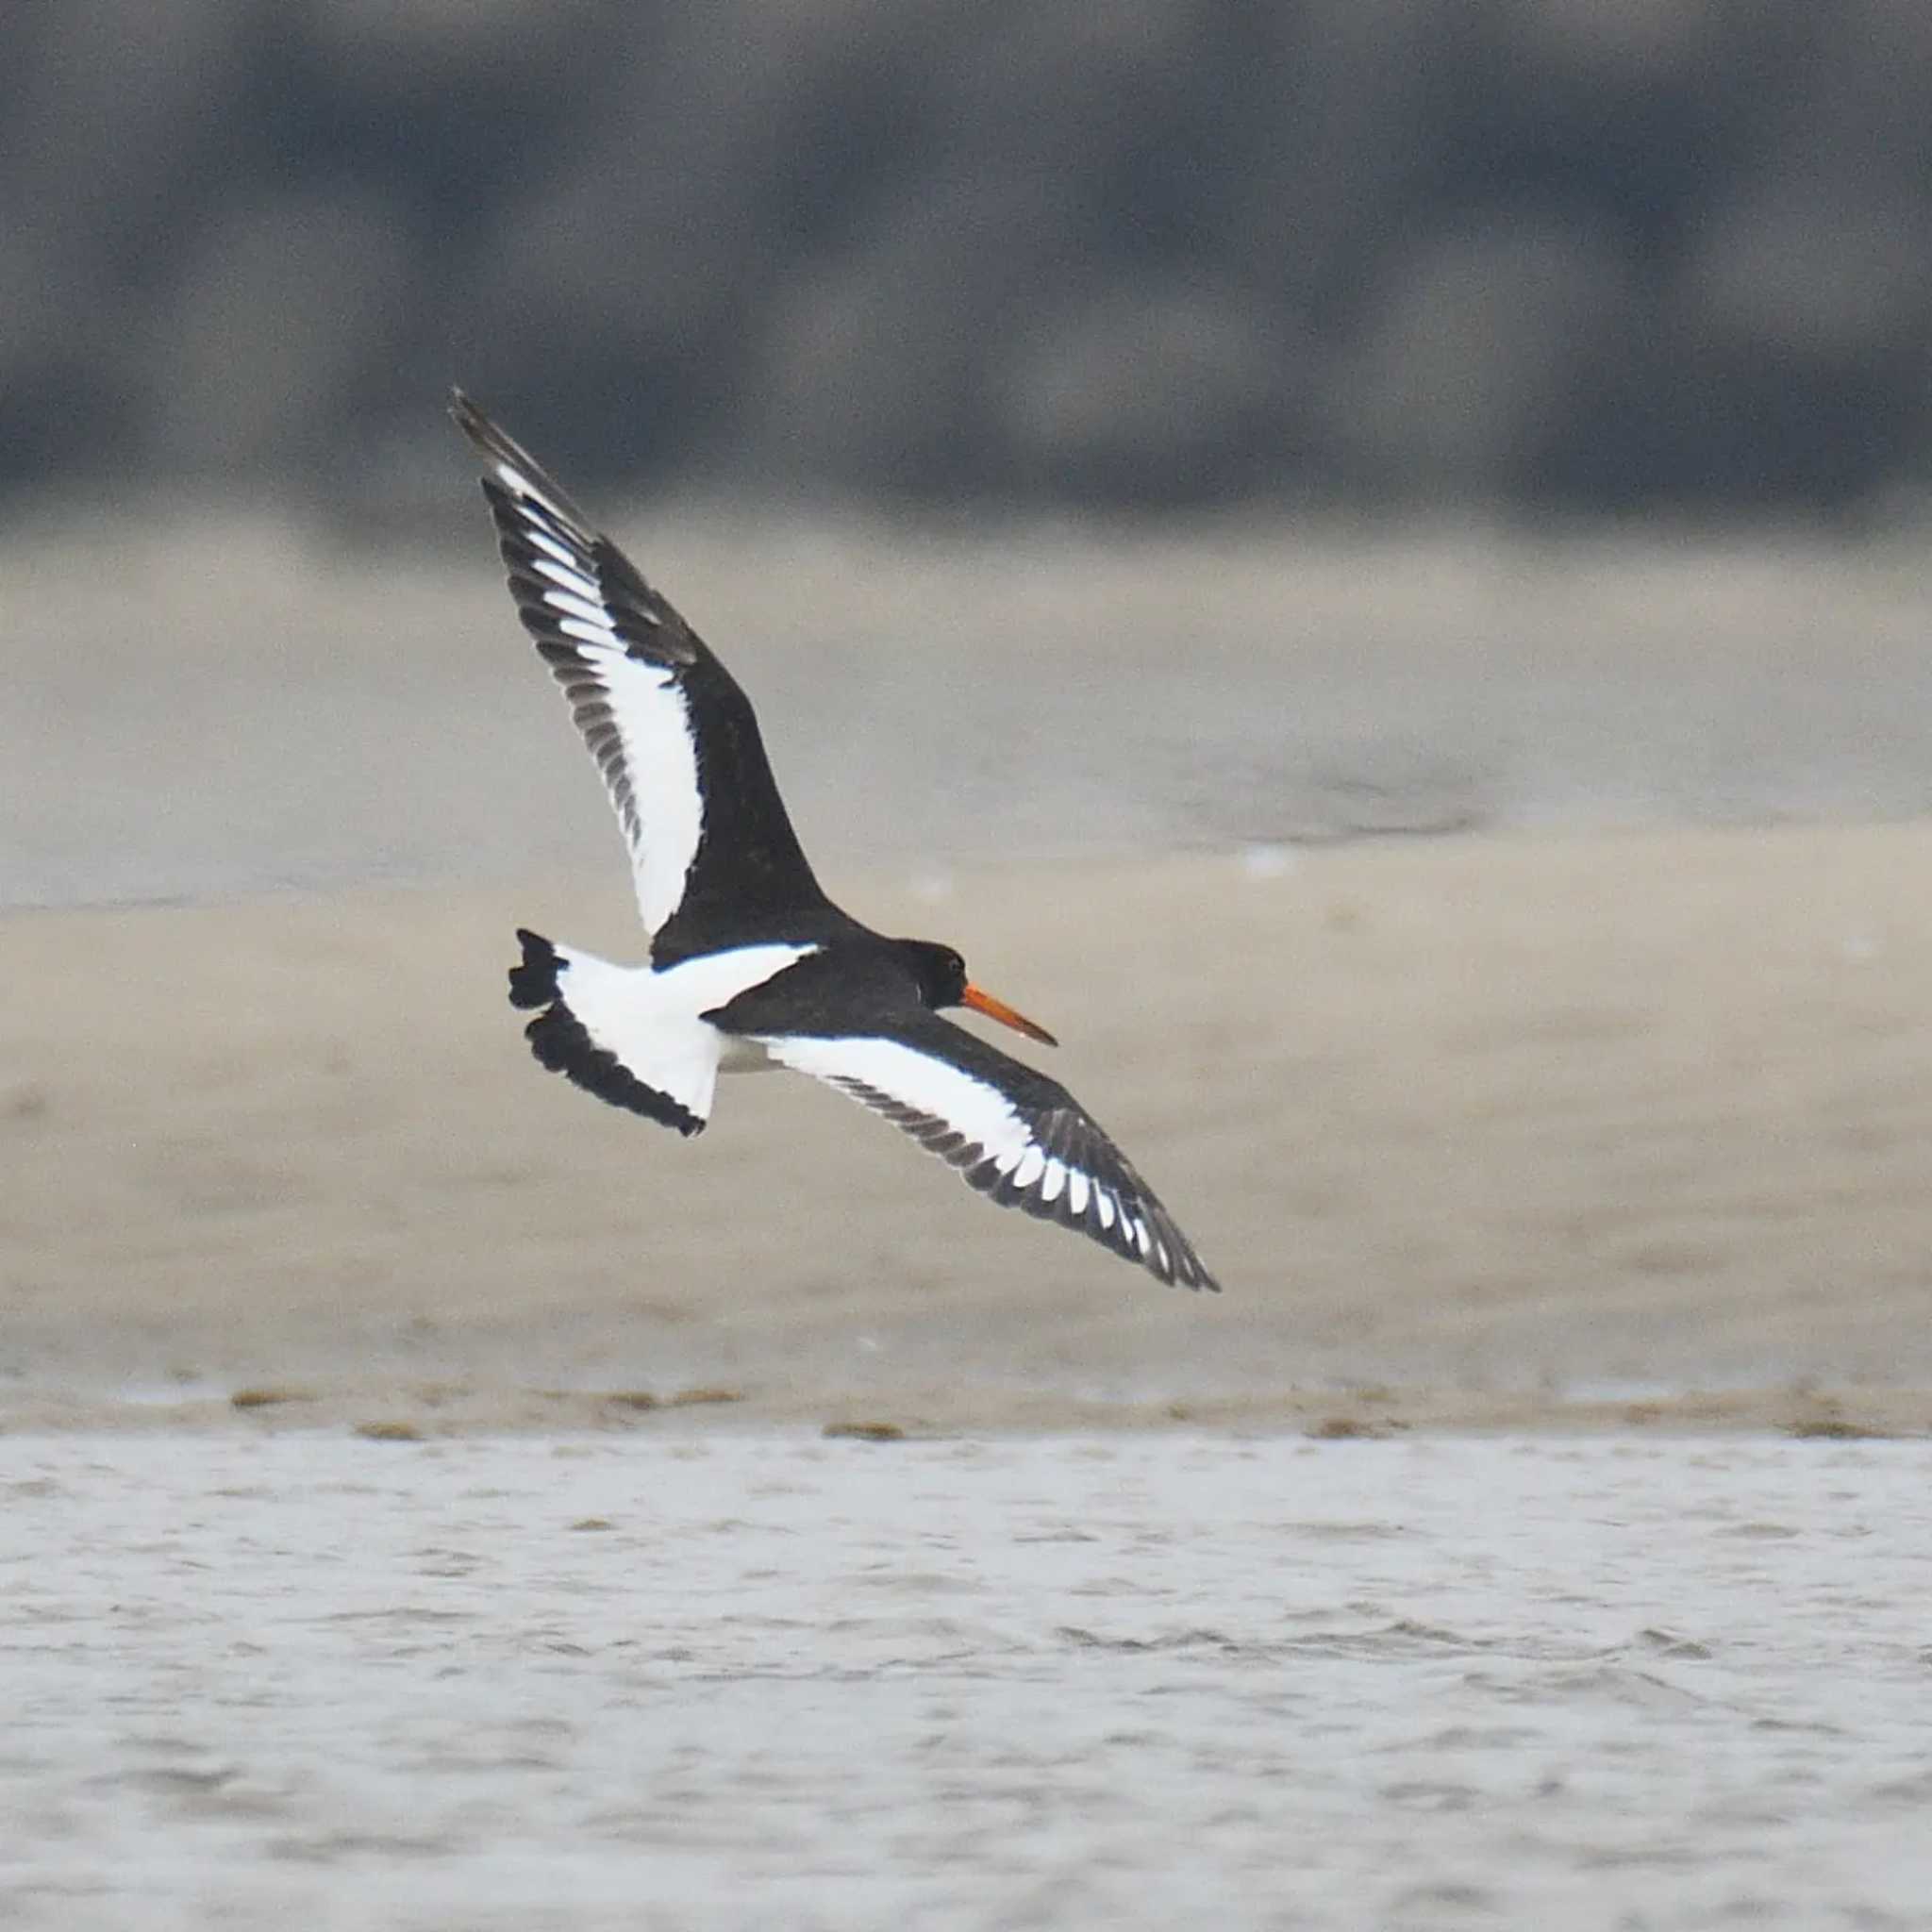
750,962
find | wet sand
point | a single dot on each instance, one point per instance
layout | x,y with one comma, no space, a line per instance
1489,1131
261,709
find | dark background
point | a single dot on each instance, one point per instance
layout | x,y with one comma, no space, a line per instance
1595,256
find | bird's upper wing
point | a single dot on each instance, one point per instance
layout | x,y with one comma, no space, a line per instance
672,734
1016,1136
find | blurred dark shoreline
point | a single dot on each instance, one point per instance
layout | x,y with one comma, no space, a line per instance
1518,254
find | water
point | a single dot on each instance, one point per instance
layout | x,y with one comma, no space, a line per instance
764,1679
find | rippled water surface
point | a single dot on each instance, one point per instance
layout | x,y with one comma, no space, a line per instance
767,1679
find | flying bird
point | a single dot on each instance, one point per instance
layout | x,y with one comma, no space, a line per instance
750,962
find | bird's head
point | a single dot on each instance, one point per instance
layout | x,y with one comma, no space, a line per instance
940,975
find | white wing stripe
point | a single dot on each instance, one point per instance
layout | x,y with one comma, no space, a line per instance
974,1108
664,820
577,593
533,499
1001,1152
654,724
571,580
539,534
572,604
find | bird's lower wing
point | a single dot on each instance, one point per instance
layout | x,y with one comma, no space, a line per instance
1014,1135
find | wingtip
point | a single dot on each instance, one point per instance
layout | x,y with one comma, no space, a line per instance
485,438
1171,1258
514,467
1190,1274
1197,1275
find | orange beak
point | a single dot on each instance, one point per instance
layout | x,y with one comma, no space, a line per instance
983,1002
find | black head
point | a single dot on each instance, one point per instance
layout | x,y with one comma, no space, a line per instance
940,975
937,972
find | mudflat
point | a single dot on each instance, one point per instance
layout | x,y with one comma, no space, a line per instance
1494,1130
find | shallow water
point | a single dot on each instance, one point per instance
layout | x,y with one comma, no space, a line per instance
337,717
765,1679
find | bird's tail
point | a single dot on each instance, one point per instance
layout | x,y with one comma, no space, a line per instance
533,979
597,1029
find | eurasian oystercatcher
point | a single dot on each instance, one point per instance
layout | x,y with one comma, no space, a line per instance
750,962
